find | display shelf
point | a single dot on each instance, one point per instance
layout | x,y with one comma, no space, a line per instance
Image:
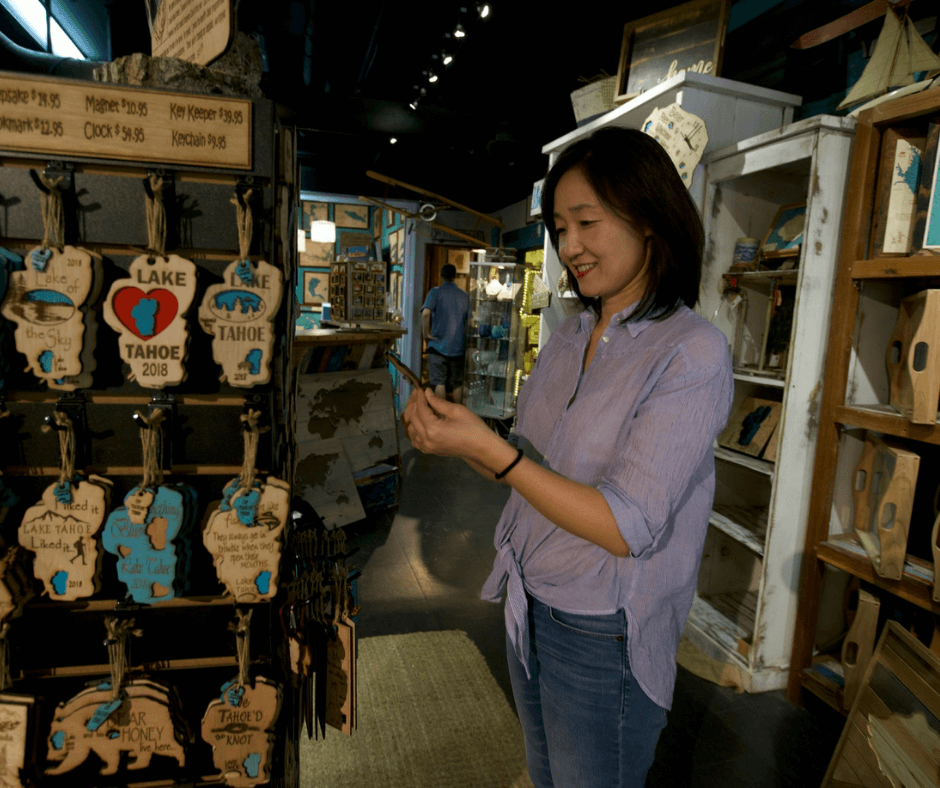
746,375
896,267
732,634
745,526
825,688
142,670
104,605
754,463
884,418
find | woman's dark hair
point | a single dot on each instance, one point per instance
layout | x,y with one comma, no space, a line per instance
635,179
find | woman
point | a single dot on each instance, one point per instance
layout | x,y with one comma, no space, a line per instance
600,542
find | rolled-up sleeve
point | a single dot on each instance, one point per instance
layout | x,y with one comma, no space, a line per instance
663,446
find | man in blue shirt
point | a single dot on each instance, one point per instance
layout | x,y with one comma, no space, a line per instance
443,326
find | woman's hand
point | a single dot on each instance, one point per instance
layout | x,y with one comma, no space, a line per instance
436,426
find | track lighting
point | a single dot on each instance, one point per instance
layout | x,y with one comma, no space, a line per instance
459,32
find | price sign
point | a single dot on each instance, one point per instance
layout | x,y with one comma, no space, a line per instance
66,117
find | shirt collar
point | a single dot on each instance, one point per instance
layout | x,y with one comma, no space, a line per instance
589,320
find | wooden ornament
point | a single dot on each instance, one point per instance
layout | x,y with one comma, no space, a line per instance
239,314
913,358
16,587
61,530
17,739
883,493
750,428
148,312
142,535
139,721
244,538
240,727
48,301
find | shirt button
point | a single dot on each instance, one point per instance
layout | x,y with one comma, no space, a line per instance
606,339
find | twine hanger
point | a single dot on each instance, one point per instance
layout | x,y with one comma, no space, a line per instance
242,631
156,215
252,437
66,433
151,441
53,212
117,643
245,223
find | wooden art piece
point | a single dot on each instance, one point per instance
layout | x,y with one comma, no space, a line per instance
17,739
148,312
913,358
239,314
314,286
750,428
785,236
892,734
316,253
240,727
316,212
244,538
935,550
885,477
682,135
689,37
859,644
926,233
140,721
50,303
898,182
353,216
16,586
61,530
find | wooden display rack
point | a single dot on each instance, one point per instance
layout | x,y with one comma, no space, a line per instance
870,293
57,646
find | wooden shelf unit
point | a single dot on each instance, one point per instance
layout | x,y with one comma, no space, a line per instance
843,410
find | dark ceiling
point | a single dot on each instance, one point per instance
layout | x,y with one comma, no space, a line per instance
344,72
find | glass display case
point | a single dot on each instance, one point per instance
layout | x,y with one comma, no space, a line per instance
493,366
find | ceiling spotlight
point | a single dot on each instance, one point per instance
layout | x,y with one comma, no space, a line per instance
432,77
459,32
483,9
414,104
446,59
393,140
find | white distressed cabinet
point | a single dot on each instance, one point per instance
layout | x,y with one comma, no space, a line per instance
745,607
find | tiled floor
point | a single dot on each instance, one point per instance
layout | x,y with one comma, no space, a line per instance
422,569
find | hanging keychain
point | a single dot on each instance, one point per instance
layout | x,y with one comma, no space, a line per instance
61,529
239,313
148,534
139,717
240,724
50,300
148,309
244,534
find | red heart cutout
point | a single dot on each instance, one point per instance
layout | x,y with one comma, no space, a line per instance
148,319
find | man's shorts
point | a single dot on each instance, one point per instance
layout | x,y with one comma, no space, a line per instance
446,371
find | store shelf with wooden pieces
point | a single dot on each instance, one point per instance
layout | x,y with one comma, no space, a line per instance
878,416
775,320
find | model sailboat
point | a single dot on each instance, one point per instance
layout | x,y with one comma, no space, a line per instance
899,54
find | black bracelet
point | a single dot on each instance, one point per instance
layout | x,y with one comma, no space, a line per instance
511,465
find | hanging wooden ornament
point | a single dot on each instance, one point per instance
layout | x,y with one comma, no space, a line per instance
239,313
18,721
49,300
61,529
147,533
137,717
244,534
148,309
240,724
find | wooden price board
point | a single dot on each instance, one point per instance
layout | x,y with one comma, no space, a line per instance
66,117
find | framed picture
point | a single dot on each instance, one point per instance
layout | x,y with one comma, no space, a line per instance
316,286
348,240
316,211
785,237
355,216
316,254
393,248
898,182
927,221
534,203
390,217
751,426
400,243
689,37
460,259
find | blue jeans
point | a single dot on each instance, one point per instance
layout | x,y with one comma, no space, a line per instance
586,722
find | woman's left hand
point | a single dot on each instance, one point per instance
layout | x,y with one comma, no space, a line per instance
436,426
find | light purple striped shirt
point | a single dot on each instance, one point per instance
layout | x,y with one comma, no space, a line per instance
639,425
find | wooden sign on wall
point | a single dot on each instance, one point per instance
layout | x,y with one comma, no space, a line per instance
73,118
195,30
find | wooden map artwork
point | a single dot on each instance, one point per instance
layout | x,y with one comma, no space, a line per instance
239,313
17,719
49,301
244,538
240,728
150,537
16,585
141,721
61,530
148,312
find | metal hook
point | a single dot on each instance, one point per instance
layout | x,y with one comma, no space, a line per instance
53,424
38,181
140,422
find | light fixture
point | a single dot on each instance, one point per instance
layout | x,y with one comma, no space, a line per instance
432,77
446,59
323,232
459,32
483,9
414,104
393,140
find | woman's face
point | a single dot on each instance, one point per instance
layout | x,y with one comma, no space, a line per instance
605,253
